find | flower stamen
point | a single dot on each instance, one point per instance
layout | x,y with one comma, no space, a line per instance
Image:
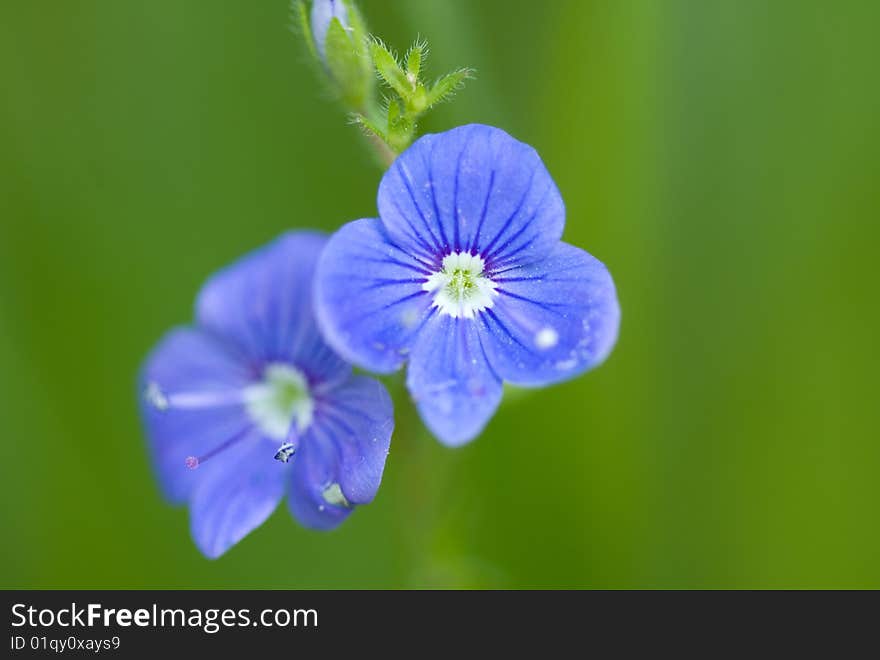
193,462
460,288
162,401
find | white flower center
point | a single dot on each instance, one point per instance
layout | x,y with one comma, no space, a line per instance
281,399
460,288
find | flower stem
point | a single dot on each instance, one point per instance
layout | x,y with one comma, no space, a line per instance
381,150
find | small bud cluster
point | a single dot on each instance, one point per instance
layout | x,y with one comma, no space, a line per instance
352,60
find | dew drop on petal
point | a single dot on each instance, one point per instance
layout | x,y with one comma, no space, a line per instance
191,462
546,338
567,365
409,318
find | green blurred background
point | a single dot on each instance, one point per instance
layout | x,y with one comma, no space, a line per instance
720,157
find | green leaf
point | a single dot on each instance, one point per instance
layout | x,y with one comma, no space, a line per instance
384,152
303,26
446,87
394,112
401,127
418,100
345,65
401,136
369,126
415,58
360,37
359,29
388,68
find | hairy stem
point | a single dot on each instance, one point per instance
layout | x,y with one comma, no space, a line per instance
382,151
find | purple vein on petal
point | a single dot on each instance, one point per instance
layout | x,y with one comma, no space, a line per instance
407,183
328,407
506,331
488,249
332,420
425,248
485,356
395,262
476,240
430,266
543,305
445,241
378,284
500,256
455,214
369,313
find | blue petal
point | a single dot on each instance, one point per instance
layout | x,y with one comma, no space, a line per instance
315,467
345,447
368,296
186,361
359,417
236,492
552,320
472,188
263,303
450,380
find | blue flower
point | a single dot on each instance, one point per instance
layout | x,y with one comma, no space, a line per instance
250,404
464,276
323,13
